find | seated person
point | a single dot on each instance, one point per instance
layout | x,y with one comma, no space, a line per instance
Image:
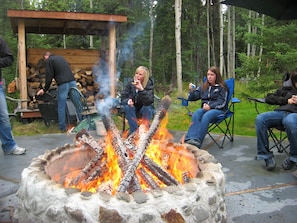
213,94
138,98
285,115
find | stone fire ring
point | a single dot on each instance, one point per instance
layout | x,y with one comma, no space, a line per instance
44,200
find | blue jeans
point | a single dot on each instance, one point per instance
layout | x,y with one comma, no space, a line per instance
272,119
62,96
7,140
200,122
146,113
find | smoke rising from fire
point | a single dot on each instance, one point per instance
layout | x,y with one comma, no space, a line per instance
124,53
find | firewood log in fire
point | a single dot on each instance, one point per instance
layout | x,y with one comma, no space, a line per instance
151,165
144,141
86,139
120,150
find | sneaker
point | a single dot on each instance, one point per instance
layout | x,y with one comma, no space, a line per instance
270,163
17,151
193,142
288,164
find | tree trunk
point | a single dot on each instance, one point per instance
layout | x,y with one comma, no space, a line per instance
231,43
261,49
208,37
151,37
222,62
178,5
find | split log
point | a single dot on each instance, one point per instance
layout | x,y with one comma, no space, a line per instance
87,170
186,178
143,144
98,172
86,139
120,150
159,172
150,182
152,166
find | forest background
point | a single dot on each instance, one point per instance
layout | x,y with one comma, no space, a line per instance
253,48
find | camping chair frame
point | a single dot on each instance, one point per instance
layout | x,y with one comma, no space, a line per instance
277,134
81,105
227,117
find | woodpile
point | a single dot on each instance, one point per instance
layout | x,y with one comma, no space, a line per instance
36,79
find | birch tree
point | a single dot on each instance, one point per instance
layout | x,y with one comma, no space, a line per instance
178,6
151,36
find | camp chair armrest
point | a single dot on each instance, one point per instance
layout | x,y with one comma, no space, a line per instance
260,100
184,101
235,100
256,101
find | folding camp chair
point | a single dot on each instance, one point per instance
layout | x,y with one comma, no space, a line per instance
277,134
82,106
225,122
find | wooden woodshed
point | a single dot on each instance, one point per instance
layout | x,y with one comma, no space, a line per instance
69,23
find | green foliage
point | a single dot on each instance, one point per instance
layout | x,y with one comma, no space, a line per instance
277,39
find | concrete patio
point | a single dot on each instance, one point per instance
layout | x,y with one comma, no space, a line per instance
253,194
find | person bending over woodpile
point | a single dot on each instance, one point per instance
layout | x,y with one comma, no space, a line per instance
57,68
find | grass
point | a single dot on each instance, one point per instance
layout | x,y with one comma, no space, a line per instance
178,118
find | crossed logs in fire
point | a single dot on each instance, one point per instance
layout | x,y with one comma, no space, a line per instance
143,161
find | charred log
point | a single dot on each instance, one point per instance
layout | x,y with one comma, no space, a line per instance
121,151
144,141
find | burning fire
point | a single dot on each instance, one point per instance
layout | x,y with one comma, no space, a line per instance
174,158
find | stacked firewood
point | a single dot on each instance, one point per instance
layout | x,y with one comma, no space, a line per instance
36,79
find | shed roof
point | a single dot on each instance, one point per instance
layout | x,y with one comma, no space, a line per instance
72,23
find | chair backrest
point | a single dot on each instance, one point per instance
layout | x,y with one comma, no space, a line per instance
78,99
230,84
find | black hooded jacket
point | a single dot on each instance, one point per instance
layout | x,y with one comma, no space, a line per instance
280,97
58,68
6,57
140,98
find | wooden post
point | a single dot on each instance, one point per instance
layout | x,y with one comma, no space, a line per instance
112,58
22,63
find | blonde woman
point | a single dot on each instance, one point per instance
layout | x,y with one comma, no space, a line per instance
138,98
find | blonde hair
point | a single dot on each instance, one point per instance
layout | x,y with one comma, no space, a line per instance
146,74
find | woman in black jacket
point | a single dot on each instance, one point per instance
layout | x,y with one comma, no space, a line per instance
138,98
213,94
285,115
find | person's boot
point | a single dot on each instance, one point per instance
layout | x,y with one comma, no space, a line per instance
270,163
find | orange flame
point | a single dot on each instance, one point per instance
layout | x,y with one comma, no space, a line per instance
174,158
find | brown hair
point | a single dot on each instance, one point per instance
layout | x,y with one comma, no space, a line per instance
294,77
219,79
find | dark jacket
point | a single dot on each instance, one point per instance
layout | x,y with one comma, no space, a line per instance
215,96
280,97
6,57
57,67
140,98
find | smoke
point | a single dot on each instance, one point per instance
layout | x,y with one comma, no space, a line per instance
124,53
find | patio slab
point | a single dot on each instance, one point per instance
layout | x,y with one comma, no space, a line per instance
253,194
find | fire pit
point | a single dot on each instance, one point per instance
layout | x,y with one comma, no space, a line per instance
155,180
